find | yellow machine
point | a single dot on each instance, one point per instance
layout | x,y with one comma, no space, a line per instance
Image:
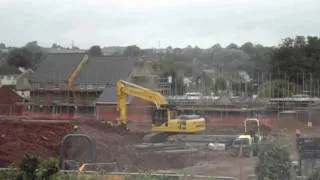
252,128
248,144
243,146
165,118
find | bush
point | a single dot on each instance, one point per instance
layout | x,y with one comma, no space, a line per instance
47,169
274,163
315,175
28,166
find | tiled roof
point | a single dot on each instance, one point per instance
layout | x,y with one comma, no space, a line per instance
105,70
56,68
9,70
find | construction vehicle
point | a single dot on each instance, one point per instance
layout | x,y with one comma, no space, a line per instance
166,118
243,146
248,143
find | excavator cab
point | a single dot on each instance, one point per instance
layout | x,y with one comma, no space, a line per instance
159,117
171,120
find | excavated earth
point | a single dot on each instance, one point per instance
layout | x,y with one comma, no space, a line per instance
44,139
17,138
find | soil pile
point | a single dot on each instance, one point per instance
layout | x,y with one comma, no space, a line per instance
17,138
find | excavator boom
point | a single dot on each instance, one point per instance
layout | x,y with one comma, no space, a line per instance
125,89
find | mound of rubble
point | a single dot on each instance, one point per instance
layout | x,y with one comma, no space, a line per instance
17,138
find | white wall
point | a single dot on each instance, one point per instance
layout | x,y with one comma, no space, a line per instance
8,79
24,94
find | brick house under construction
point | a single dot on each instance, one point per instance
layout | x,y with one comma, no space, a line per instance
68,84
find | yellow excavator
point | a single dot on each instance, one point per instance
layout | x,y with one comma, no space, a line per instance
166,119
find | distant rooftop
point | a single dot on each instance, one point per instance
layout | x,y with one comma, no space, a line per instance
9,70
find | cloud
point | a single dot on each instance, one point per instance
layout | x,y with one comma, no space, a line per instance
146,22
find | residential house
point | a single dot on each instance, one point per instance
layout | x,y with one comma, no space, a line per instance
9,75
17,79
50,93
100,73
23,85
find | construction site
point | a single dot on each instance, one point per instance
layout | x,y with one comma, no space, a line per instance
157,131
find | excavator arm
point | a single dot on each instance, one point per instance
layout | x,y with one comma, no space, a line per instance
125,89
72,77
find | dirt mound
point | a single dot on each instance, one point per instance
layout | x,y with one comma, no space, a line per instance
17,138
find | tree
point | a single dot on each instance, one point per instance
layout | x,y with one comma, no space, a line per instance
36,51
169,50
232,46
177,84
297,58
2,46
56,46
20,57
274,163
95,51
132,50
216,46
247,47
220,84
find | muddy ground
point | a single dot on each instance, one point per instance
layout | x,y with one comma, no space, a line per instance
118,146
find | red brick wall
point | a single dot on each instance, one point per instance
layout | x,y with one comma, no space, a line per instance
8,100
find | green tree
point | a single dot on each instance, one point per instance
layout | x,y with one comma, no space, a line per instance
177,85
220,84
296,58
20,57
274,163
2,46
132,50
248,47
232,46
37,53
95,51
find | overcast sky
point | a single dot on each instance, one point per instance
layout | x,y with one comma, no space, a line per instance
148,22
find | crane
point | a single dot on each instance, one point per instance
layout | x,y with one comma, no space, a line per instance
165,117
